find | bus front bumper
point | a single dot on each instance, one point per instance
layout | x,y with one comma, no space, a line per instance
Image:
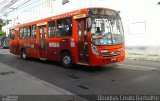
100,61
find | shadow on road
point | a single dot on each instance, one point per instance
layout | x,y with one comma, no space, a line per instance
74,67
50,69
84,80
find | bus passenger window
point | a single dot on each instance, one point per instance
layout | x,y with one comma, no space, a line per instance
29,32
21,34
33,30
11,34
51,28
25,33
64,27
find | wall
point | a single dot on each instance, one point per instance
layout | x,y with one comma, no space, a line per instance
142,32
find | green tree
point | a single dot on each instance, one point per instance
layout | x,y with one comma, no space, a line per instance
2,33
1,25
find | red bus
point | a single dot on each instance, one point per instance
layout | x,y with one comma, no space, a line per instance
90,36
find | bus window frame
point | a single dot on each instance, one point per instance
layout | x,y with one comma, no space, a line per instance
50,30
27,34
10,35
21,33
33,31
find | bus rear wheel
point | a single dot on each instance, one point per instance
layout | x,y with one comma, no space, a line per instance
66,60
23,54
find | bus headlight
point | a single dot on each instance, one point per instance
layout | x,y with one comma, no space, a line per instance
94,49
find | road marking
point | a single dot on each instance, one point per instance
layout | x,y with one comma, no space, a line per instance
142,67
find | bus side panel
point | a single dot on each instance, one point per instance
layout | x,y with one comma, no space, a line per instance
32,49
20,46
55,46
13,44
52,51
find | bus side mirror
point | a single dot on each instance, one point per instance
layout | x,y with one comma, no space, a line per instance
89,24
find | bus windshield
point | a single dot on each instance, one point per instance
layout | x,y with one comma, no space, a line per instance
106,30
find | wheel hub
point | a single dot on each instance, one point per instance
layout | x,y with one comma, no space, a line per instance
24,55
66,59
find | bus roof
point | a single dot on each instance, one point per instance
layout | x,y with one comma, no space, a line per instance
69,14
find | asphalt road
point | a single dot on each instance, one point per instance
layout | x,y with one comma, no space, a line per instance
127,78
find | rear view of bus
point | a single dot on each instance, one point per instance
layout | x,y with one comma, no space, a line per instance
107,36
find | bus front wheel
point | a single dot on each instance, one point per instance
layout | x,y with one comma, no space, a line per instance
66,60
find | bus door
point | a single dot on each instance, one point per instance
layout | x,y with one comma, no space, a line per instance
83,55
42,39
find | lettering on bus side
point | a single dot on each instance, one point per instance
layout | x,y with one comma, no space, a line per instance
54,44
27,45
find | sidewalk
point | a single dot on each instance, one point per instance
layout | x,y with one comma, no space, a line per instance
15,82
150,53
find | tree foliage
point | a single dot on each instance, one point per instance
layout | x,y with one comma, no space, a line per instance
1,25
2,33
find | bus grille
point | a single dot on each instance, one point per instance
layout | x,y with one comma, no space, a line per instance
106,54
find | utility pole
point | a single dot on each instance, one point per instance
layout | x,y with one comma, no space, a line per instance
6,24
90,3
13,19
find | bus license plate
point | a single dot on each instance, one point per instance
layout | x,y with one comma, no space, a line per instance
113,59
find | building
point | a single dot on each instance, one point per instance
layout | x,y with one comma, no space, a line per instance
141,23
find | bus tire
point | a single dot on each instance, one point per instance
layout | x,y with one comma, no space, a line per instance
66,60
24,54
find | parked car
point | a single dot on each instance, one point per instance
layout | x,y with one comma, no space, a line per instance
5,42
